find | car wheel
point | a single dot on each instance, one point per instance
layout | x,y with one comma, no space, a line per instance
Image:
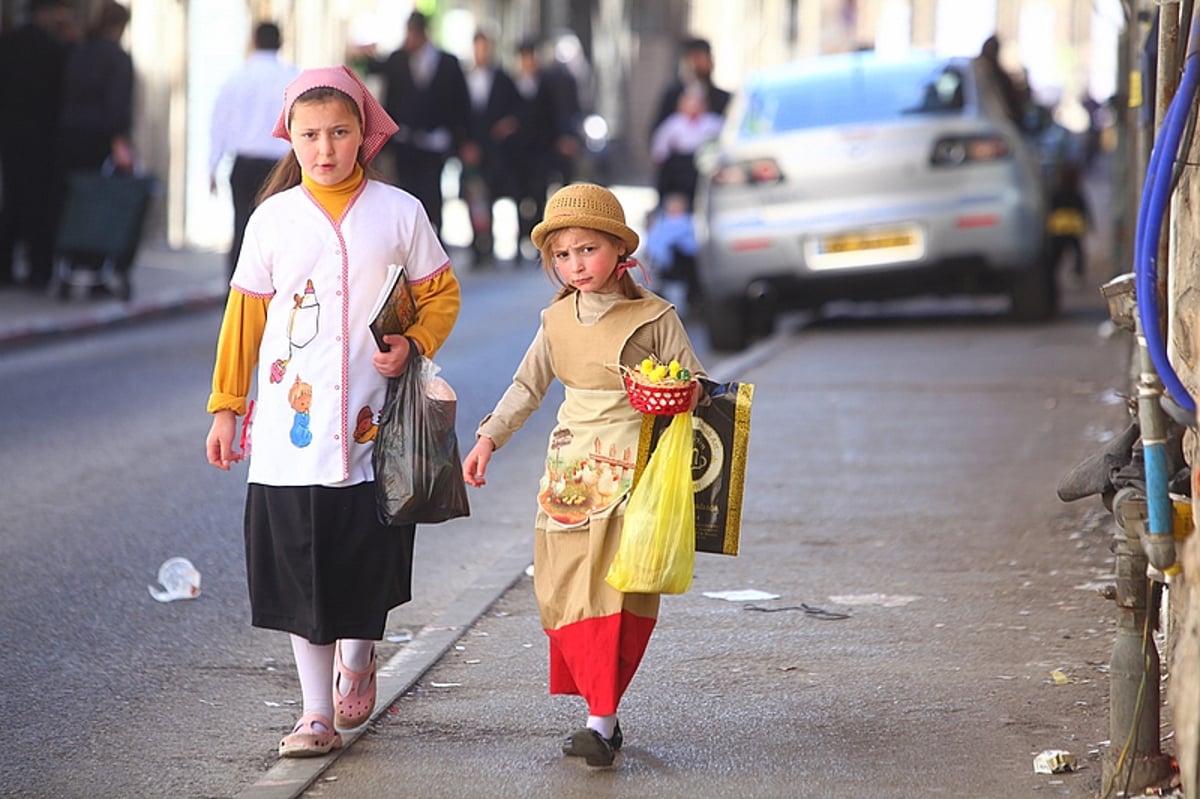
1034,293
728,323
761,316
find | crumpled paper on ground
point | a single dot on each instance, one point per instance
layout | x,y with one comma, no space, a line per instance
1054,761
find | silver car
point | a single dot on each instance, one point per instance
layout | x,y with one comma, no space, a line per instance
858,176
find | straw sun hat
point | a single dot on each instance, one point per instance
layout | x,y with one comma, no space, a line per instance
585,205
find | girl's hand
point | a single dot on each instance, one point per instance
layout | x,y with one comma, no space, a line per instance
476,463
393,362
697,393
219,444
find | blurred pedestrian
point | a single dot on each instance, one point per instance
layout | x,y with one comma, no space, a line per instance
601,317
30,110
545,142
1010,93
97,114
243,116
320,566
671,247
97,110
695,69
1095,126
488,151
677,139
1069,219
560,75
425,92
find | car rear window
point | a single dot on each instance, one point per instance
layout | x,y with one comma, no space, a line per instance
863,93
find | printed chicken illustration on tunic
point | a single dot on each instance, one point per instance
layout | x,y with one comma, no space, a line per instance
577,485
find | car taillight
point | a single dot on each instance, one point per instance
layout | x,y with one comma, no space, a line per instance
758,171
958,150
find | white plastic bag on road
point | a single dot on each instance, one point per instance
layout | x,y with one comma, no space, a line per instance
179,580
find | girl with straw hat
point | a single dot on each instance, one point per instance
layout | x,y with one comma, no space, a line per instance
600,317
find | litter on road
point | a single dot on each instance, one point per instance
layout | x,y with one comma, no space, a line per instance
744,595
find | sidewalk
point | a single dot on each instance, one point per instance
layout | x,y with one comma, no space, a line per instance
163,279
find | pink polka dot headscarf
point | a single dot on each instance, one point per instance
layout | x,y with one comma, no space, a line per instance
378,127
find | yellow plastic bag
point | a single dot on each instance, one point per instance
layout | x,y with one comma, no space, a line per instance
658,541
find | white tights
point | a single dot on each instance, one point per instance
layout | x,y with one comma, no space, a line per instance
314,665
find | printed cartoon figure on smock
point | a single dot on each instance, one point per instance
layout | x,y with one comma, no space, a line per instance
365,425
303,326
300,398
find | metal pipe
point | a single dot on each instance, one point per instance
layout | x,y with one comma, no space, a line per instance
1135,759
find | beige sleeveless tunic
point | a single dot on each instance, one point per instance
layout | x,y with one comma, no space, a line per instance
597,634
589,465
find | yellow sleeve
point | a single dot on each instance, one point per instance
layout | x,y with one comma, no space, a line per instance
237,352
438,300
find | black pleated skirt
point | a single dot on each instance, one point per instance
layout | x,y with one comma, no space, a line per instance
320,565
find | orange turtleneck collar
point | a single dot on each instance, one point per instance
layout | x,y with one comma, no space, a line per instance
335,198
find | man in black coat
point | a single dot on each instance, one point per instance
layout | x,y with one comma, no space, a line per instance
546,142
29,109
696,69
488,155
426,94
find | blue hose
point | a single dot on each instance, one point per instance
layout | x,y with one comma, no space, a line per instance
1156,195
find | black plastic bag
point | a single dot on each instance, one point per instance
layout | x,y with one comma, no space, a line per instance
418,471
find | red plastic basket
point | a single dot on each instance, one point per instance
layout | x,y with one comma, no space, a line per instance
657,399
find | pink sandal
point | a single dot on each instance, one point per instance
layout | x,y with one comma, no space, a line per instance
306,740
353,706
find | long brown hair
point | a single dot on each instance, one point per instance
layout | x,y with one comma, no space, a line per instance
286,172
625,283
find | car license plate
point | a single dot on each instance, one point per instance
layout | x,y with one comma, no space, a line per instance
877,240
865,248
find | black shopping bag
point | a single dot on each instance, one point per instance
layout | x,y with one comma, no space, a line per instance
418,472
721,425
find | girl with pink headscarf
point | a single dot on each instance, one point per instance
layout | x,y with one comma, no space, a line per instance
320,566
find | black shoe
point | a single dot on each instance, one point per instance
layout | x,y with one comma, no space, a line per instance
592,746
615,741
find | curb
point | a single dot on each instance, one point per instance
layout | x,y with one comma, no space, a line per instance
291,777
128,313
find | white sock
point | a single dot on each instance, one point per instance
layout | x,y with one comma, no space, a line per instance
605,725
356,653
314,664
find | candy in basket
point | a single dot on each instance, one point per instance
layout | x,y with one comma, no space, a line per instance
663,389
